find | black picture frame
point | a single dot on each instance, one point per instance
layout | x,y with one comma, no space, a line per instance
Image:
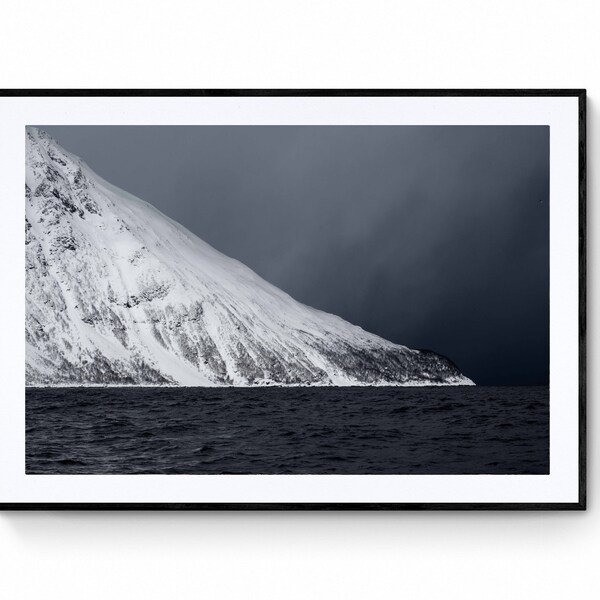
445,506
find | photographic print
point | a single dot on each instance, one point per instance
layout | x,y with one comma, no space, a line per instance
288,302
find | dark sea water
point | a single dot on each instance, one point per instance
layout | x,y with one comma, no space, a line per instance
390,430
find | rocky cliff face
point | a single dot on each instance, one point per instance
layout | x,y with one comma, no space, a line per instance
117,293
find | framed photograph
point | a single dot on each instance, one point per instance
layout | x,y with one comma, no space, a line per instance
293,299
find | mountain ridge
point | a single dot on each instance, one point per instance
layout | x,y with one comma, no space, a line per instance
120,294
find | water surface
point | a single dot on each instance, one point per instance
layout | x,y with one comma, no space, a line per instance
387,430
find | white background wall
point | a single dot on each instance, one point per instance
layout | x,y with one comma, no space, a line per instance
335,43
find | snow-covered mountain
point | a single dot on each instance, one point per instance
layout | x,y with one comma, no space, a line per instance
118,293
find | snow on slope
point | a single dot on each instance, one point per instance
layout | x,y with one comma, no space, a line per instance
118,293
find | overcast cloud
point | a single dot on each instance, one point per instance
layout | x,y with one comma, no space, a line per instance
432,237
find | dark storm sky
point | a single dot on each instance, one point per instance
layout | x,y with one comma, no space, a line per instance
432,237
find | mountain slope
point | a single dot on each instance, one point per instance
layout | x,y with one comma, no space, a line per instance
117,293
